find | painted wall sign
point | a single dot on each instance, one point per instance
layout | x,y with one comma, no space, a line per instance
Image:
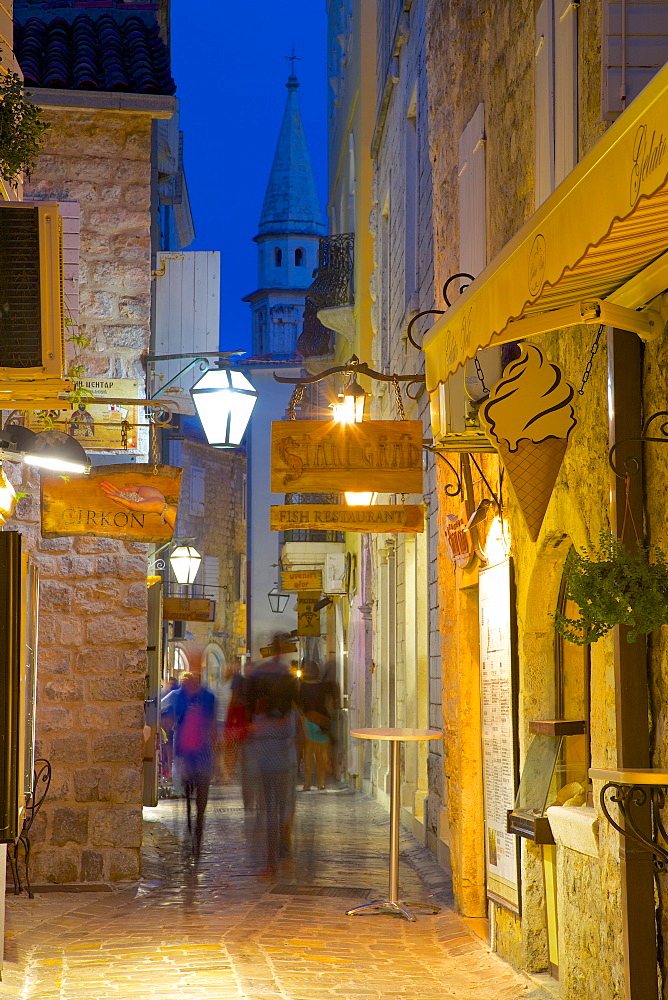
128,502
302,579
96,425
499,744
308,620
320,455
188,609
336,517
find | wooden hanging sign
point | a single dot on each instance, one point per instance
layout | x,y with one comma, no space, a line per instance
336,517
301,579
308,620
384,456
188,609
129,502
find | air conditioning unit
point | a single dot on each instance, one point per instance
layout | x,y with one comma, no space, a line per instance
334,581
31,291
455,403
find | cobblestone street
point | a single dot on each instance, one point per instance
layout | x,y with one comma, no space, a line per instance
221,930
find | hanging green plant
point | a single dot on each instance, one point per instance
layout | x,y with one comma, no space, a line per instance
614,586
21,129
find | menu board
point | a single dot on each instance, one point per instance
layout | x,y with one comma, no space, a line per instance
496,611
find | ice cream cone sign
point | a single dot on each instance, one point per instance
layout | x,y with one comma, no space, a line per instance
529,417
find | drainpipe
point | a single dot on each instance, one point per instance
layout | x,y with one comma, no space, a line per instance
631,672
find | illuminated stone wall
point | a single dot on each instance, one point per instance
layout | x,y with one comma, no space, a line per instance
92,627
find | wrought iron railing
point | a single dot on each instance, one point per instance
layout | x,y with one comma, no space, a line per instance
315,340
333,279
311,534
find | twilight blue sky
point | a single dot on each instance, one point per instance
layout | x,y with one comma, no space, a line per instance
227,61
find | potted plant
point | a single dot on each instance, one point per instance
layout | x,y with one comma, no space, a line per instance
614,586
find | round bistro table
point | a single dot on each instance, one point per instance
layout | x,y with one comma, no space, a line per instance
395,736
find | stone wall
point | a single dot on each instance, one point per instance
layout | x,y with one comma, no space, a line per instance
92,613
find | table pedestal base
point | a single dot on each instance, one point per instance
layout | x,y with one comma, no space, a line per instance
394,907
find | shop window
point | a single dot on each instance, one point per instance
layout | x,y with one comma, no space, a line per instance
278,257
299,257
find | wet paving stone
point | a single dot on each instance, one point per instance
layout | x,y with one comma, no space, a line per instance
220,929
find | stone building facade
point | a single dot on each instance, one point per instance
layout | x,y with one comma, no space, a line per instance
92,637
521,92
98,163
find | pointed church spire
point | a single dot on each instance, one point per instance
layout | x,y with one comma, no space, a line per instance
291,203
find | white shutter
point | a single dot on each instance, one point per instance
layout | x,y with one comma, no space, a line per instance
197,485
70,214
544,102
211,578
632,52
187,313
472,196
565,88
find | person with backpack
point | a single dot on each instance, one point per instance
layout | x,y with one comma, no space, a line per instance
194,709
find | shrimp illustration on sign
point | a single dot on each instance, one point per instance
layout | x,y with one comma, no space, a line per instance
146,499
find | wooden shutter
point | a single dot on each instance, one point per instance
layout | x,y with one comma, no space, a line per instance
196,491
187,312
565,88
472,197
211,578
634,47
544,102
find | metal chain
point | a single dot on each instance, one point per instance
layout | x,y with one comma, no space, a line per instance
480,374
295,400
154,447
400,403
587,372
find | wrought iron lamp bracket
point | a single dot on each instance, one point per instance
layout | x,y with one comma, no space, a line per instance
352,367
451,489
631,465
631,797
437,312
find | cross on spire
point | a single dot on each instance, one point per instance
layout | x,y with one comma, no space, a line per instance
291,59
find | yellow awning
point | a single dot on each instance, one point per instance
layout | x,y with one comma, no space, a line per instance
595,251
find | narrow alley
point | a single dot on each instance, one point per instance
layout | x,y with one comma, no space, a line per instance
220,930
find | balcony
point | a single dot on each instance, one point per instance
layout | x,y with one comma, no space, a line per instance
309,534
315,340
332,290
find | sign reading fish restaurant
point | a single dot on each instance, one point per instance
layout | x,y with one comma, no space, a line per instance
135,503
384,456
335,517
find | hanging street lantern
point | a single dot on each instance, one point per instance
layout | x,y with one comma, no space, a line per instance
360,499
185,561
277,601
52,450
350,406
224,400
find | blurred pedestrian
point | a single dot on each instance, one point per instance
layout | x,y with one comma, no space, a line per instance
272,692
194,743
316,721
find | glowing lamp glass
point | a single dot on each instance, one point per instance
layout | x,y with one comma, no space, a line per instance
224,400
360,499
185,562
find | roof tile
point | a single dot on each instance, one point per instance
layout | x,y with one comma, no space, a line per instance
99,53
